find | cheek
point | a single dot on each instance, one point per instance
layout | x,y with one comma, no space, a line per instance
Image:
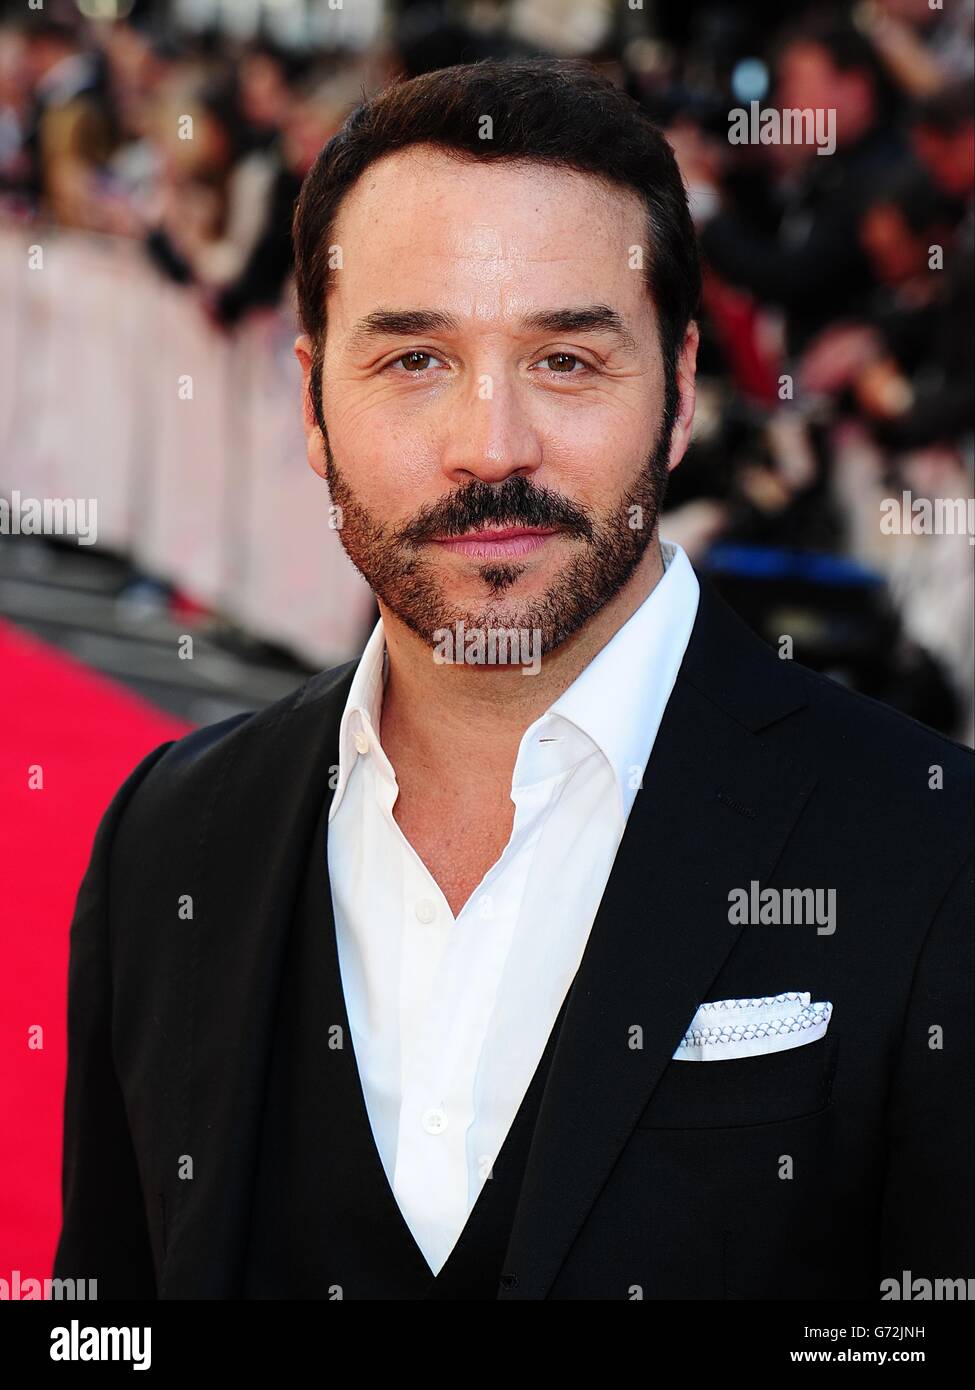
392,468
598,453
364,436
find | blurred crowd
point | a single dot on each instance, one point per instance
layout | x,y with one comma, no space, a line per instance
836,368
195,145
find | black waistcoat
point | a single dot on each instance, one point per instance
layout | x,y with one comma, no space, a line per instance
325,1223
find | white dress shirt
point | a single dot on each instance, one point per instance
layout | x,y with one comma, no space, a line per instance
450,1016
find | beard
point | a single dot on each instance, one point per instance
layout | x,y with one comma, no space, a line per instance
393,562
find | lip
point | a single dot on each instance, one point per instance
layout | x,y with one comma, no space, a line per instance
493,544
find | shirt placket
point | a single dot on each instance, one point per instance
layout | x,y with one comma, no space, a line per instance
450,983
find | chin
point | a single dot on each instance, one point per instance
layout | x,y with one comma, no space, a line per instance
499,581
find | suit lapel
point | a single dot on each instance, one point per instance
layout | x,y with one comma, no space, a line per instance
714,813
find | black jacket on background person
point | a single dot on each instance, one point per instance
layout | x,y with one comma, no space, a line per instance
815,268
217,1143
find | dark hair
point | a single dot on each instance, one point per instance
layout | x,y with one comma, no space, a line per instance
292,64
557,112
52,29
910,190
948,110
848,50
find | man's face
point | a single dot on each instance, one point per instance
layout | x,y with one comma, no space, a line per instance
896,252
547,435
808,80
948,156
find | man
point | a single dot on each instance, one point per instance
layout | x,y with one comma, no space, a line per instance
943,137
444,977
814,267
71,129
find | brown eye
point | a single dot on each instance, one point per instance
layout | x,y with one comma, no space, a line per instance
415,362
567,364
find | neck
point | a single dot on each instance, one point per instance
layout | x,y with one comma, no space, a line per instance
443,719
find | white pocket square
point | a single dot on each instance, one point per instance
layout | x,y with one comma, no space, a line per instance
727,1028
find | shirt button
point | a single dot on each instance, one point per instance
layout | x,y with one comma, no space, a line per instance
434,1121
361,742
425,910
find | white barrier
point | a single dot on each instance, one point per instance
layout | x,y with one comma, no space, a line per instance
115,386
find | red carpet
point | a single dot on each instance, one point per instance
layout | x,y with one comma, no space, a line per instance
86,733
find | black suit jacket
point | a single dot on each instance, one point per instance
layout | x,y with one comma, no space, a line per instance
812,1172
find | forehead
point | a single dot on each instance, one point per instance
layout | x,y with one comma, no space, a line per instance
805,59
485,238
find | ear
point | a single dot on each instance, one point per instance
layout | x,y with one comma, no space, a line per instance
314,443
686,376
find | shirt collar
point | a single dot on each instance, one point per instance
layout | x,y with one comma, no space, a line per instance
614,706
616,703
361,717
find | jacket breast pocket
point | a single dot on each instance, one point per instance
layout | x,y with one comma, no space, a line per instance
757,1090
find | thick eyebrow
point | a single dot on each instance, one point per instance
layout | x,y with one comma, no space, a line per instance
410,323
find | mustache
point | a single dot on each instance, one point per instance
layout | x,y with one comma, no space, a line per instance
477,505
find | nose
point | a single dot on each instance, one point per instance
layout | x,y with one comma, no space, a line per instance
489,436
